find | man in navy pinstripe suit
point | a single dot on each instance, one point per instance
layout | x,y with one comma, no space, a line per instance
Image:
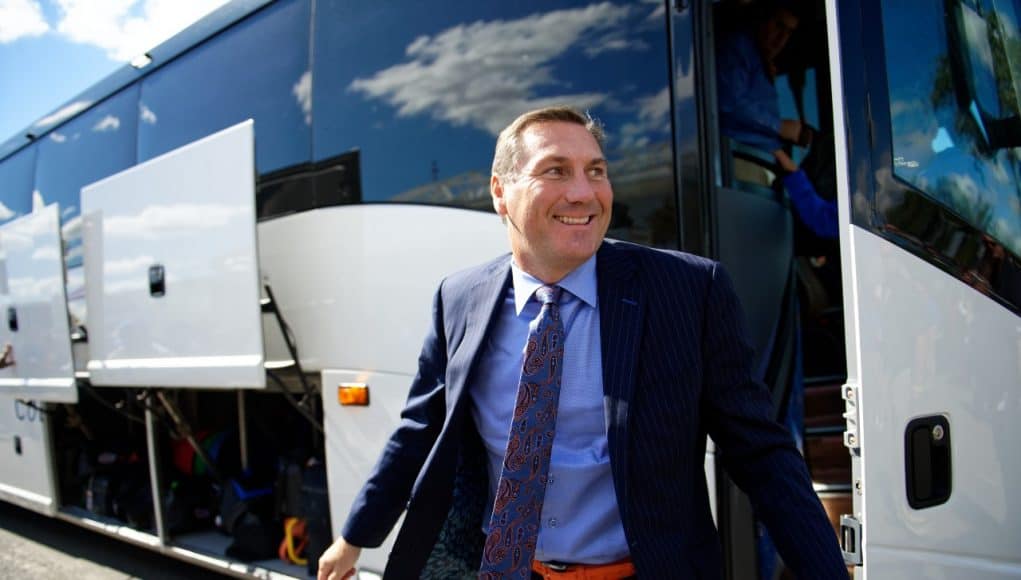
655,359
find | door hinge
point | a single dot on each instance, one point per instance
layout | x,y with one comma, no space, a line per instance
852,416
850,540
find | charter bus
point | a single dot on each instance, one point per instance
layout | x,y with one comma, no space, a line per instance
357,138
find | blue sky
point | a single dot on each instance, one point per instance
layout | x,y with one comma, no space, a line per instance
51,50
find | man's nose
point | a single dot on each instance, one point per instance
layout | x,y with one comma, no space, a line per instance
581,188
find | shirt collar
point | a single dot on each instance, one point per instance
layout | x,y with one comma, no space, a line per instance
581,282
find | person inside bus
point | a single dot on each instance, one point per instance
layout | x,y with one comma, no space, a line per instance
749,106
6,356
556,427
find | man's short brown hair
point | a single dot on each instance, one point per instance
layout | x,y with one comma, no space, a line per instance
508,144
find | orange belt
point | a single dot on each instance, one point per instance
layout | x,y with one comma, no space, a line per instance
613,571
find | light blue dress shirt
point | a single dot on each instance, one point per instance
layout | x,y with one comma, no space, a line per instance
580,520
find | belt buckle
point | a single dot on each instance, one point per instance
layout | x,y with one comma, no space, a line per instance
557,566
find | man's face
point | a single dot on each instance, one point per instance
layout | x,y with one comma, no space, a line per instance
558,204
774,33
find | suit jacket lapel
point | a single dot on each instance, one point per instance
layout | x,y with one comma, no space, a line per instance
621,310
484,297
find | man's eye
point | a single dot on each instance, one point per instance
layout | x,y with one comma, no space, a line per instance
597,172
554,171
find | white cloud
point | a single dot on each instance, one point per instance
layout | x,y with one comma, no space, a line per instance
58,137
75,252
46,253
127,28
107,123
147,115
483,74
915,148
658,11
72,228
20,19
914,107
653,119
302,91
615,40
238,264
161,220
37,201
128,265
6,213
65,113
16,241
33,289
966,197
1000,171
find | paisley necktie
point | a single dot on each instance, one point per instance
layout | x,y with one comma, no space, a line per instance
514,527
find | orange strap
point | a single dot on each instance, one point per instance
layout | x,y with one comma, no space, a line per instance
613,571
294,530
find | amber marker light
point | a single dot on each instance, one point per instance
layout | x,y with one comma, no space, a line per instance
353,394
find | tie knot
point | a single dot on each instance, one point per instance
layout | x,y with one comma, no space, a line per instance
548,294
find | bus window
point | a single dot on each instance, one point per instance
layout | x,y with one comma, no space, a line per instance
953,87
93,145
421,93
16,174
97,143
257,69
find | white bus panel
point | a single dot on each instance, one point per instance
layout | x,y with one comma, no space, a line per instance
927,344
25,464
377,267
33,306
171,269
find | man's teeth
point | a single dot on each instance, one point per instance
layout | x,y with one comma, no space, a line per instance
573,221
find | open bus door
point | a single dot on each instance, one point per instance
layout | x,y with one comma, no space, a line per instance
34,309
40,370
785,275
930,249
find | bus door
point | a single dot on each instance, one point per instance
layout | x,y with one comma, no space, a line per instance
786,276
930,200
34,325
38,367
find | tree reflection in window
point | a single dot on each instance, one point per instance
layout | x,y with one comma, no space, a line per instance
954,107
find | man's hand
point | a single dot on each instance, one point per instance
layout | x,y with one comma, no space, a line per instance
785,161
338,561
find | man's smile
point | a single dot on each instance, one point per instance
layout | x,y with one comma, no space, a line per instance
573,221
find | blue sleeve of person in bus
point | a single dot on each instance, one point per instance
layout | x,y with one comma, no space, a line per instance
820,215
748,103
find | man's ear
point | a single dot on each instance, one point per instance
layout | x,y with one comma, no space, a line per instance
496,191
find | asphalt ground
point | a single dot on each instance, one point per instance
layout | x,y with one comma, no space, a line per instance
35,546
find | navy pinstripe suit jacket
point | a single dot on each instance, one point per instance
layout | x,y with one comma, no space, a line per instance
676,366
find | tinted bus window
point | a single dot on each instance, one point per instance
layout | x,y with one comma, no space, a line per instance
953,86
420,94
16,177
257,69
94,145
